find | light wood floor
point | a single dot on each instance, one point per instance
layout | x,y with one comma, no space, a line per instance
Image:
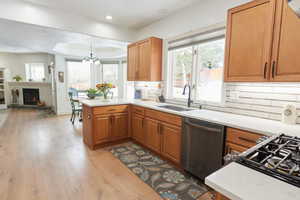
43,158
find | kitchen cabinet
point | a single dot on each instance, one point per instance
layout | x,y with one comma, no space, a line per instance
286,47
132,61
153,135
171,142
238,141
220,197
107,124
248,42
102,128
145,60
138,132
262,43
119,123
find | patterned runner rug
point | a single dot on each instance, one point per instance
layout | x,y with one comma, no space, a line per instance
165,179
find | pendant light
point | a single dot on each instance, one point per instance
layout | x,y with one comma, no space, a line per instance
92,58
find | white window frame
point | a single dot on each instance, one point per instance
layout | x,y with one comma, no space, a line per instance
30,65
195,67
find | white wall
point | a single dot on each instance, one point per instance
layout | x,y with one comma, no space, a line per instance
15,63
32,14
201,15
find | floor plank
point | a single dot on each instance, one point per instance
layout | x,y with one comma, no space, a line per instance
44,158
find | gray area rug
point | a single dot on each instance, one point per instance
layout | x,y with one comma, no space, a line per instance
166,180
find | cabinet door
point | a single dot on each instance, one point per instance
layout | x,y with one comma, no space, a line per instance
120,125
132,62
102,128
286,59
171,142
249,41
144,61
138,131
153,136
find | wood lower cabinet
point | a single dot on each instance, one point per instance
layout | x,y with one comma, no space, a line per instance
171,142
153,135
102,128
138,131
238,141
220,197
119,123
106,124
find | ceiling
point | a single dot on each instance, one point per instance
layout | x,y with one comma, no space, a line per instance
25,38
128,13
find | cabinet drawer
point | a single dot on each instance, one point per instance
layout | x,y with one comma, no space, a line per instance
110,109
240,137
165,117
138,110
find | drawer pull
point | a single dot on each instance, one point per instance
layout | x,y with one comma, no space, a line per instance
89,116
247,140
112,110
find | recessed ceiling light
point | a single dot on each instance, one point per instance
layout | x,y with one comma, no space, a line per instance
108,17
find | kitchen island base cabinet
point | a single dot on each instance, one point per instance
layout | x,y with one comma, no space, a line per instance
105,125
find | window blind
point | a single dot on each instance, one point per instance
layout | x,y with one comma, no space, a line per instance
194,39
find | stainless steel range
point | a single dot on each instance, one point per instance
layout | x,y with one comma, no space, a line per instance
278,156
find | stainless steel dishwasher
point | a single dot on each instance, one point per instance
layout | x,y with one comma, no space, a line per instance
202,147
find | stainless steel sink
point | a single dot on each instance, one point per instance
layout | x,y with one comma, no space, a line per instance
175,108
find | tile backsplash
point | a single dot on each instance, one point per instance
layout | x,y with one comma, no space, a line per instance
264,100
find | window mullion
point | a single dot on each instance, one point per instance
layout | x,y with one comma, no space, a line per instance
194,72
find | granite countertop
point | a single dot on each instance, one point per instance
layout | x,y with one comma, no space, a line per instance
252,124
235,181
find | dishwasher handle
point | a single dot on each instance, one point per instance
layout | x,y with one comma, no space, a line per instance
203,127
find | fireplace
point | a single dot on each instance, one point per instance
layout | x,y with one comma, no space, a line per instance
31,96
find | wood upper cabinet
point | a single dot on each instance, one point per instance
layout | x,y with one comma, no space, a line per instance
286,48
153,135
249,41
171,142
138,131
102,128
119,123
145,60
132,61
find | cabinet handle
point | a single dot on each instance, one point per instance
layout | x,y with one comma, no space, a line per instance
89,116
247,140
111,110
265,70
273,69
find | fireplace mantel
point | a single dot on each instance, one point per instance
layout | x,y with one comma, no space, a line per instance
23,83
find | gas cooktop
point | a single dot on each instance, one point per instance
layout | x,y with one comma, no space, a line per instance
278,157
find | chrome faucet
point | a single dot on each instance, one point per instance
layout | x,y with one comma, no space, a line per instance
190,91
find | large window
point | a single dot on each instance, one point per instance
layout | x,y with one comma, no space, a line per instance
35,71
79,75
201,66
110,74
